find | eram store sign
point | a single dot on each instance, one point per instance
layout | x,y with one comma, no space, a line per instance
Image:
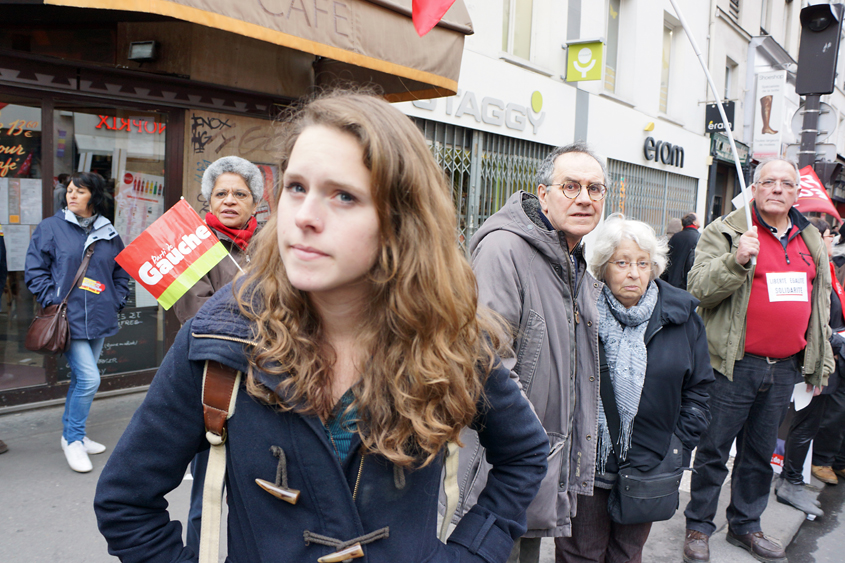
172,254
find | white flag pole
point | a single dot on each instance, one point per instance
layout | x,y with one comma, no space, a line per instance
739,173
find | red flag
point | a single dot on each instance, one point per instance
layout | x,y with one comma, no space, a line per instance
813,196
172,254
428,12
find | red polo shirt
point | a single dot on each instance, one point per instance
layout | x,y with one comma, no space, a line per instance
780,303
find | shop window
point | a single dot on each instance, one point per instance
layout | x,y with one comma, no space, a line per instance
516,28
127,148
20,213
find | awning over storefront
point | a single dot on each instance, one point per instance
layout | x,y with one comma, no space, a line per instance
358,40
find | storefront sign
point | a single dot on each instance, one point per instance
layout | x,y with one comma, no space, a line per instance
493,111
122,124
584,61
713,119
660,151
768,114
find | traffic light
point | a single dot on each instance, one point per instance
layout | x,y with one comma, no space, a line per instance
821,27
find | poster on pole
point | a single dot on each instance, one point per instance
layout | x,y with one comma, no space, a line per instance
768,114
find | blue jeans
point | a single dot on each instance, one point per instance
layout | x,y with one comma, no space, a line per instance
750,408
82,355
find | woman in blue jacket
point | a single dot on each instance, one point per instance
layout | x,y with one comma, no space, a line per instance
55,253
357,327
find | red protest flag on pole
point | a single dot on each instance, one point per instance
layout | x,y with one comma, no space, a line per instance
426,14
813,196
172,254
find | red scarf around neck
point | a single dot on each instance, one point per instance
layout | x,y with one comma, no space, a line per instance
241,237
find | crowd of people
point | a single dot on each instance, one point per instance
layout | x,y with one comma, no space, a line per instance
370,350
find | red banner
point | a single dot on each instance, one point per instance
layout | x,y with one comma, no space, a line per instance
426,13
813,196
173,253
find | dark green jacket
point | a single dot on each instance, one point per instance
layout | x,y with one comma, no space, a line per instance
723,286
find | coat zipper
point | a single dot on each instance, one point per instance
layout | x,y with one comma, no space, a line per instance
229,338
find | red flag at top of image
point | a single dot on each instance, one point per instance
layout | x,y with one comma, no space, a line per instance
427,13
172,254
813,196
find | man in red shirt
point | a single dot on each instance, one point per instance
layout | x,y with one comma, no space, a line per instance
767,329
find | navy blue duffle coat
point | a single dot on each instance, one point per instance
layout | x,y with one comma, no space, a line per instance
167,431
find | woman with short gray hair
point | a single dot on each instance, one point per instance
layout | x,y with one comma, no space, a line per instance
654,356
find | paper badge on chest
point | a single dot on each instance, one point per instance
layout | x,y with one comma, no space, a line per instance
787,286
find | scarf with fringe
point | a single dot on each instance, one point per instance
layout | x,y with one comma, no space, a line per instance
622,332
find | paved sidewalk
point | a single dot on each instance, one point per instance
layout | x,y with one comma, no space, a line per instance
47,514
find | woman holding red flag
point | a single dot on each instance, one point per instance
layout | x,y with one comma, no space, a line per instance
233,187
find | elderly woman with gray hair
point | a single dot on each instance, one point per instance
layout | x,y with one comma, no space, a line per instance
233,187
654,349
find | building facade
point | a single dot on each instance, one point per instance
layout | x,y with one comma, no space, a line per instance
642,110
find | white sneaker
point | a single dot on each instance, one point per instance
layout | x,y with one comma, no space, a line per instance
77,457
91,447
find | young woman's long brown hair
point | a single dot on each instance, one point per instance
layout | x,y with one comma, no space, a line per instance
426,344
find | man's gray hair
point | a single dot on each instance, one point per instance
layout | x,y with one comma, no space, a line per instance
545,172
616,229
758,172
235,165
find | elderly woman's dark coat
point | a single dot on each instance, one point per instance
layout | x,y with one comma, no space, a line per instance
678,373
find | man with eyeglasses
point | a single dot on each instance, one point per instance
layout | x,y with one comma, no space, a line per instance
529,261
767,329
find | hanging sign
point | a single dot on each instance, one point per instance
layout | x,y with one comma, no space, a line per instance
584,61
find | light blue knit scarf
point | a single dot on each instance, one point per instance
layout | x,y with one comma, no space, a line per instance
622,332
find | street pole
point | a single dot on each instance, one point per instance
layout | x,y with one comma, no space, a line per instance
810,130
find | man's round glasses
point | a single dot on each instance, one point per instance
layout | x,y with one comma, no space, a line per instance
572,189
624,264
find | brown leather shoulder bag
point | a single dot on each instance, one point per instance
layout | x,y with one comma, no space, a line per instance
49,332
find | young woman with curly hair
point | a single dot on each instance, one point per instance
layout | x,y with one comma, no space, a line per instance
357,325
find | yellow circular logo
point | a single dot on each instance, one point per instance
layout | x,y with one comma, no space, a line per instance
537,102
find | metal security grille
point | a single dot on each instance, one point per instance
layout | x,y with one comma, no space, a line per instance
484,169
649,195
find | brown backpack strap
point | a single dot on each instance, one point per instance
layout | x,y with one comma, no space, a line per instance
218,387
